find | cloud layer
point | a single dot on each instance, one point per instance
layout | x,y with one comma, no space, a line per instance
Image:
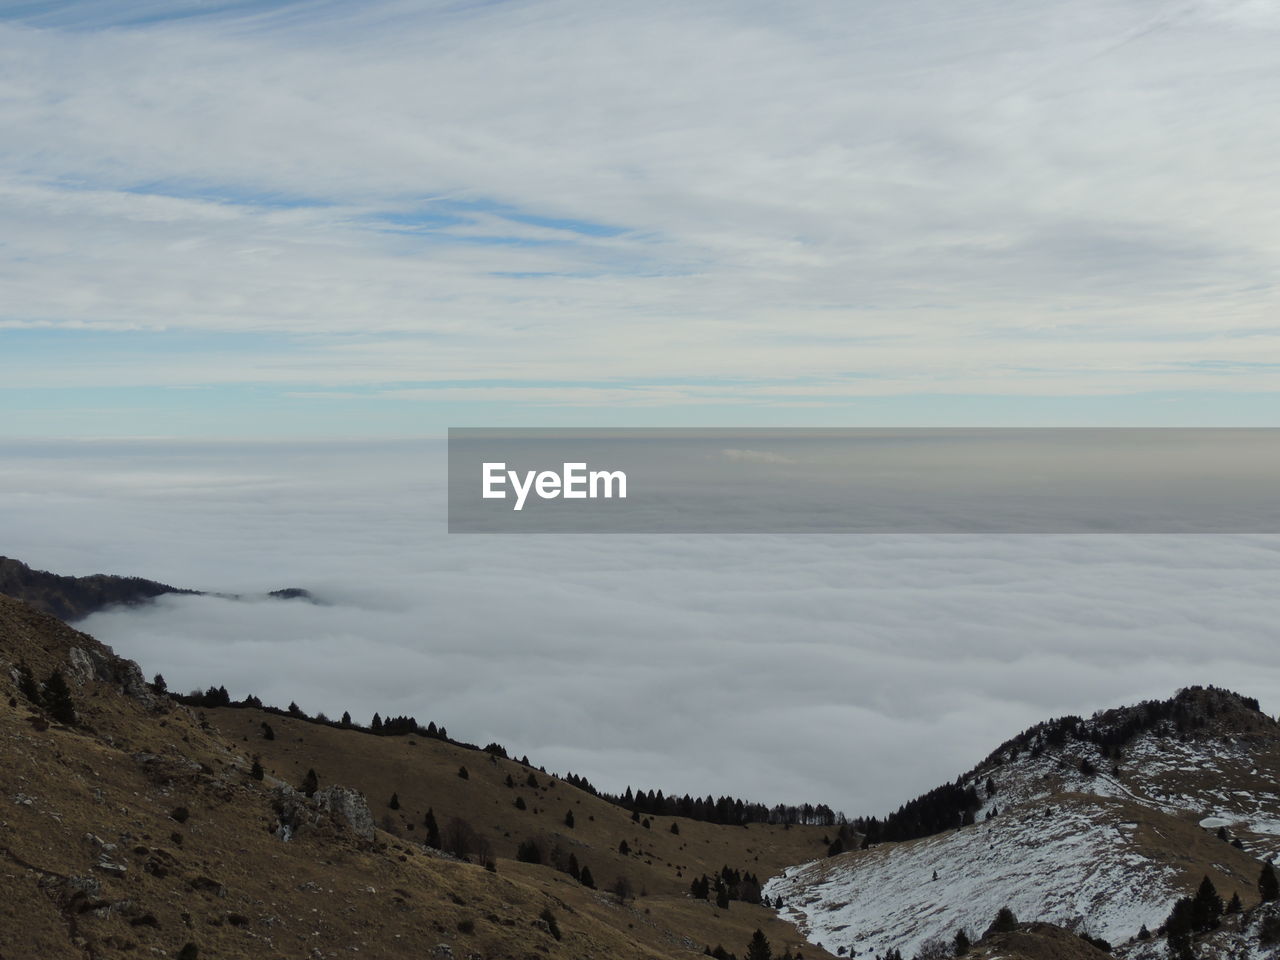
852,670
580,204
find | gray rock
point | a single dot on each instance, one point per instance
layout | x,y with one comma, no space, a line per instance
112,867
103,665
347,805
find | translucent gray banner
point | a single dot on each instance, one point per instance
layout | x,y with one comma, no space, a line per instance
864,481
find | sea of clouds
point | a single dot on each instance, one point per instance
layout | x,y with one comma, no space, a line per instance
851,670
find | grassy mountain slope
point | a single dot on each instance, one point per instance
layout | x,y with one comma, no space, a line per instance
138,829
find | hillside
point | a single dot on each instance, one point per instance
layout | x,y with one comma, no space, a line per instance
73,598
141,823
1096,825
135,826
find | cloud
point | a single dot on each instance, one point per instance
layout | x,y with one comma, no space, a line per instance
855,670
1060,200
755,456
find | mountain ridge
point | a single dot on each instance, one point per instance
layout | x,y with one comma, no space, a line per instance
1096,825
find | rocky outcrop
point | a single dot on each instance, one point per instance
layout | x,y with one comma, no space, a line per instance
349,806
99,663
334,808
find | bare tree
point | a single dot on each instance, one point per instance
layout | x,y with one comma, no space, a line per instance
622,889
460,839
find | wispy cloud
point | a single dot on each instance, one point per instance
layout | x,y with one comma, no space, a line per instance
1048,199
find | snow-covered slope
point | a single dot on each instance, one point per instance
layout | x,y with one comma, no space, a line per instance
1097,836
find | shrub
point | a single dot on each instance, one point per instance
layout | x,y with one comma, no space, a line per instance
549,919
1269,930
57,699
934,949
530,851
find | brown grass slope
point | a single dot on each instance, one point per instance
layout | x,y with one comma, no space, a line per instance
138,831
1035,941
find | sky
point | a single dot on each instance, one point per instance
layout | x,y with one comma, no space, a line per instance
252,253
384,219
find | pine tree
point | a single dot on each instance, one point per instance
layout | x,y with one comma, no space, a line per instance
433,829
1005,921
376,725
624,848
463,774
256,770
1268,884
1235,906
758,948
722,898
267,732
57,699
1179,927
961,943
310,783
158,684
27,685
586,879
394,802
520,804
675,828
568,819
1207,907
346,718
